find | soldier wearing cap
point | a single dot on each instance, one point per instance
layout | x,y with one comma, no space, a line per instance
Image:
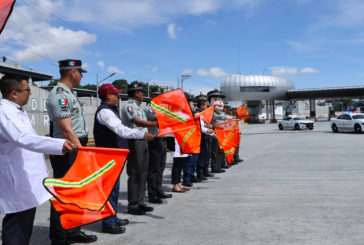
133,116
204,156
109,132
68,121
157,157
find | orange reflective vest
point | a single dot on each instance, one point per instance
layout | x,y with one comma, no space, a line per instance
89,181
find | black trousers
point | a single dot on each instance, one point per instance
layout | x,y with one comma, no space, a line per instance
177,166
204,157
61,165
137,170
157,163
18,227
236,155
217,155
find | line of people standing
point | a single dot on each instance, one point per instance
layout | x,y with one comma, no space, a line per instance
21,153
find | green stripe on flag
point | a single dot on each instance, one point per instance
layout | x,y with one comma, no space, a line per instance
186,137
168,113
229,152
81,183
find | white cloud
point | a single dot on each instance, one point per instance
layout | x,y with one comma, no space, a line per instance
171,30
280,70
210,23
345,13
212,72
309,70
85,66
121,15
116,70
101,64
129,14
33,32
186,72
154,69
302,47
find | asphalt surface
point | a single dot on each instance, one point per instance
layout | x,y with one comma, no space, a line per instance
294,187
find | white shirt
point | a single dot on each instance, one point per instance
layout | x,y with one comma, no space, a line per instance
22,164
109,119
177,151
203,128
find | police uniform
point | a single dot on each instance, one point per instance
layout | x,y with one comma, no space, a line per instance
217,154
62,102
109,132
22,170
157,157
138,159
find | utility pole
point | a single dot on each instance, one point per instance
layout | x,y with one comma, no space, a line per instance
97,89
184,77
148,87
97,86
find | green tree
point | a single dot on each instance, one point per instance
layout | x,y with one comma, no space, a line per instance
155,86
89,86
121,84
54,82
188,96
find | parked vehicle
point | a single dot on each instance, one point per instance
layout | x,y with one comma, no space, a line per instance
322,117
351,122
295,122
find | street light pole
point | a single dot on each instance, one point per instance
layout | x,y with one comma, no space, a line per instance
263,71
97,85
97,89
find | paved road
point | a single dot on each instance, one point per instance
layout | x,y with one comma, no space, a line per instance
294,187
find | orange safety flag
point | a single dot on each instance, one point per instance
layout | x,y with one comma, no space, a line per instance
89,181
242,112
206,115
189,140
6,7
228,135
173,112
73,216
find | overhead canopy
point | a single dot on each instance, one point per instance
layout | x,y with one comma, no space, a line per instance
8,69
326,93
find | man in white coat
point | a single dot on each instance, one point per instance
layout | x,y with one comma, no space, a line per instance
22,164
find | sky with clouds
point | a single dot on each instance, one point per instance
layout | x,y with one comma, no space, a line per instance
315,43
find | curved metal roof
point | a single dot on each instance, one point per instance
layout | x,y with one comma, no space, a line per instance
257,81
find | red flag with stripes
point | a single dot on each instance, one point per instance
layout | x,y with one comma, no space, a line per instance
173,112
206,115
6,8
87,186
242,112
228,134
189,140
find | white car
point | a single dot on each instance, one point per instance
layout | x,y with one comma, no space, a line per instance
352,122
295,122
